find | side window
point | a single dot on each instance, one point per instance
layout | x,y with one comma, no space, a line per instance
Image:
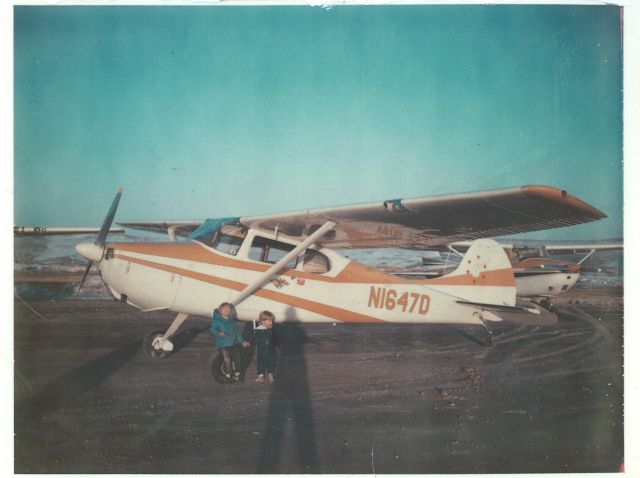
315,262
270,251
228,239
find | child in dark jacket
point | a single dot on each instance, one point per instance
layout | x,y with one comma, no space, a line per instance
224,327
264,337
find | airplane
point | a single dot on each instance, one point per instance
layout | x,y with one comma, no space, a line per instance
539,275
287,263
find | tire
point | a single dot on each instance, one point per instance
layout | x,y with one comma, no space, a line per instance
216,367
148,347
547,305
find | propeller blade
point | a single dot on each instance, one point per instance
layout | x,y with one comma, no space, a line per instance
84,277
90,251
108,220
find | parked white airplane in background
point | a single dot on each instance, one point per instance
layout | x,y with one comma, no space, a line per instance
539,275
286,263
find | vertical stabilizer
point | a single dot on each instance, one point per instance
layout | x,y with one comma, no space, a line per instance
484,275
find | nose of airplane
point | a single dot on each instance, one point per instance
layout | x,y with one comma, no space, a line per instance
575,268
570,267
90,251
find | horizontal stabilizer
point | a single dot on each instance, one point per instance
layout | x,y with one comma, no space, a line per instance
530,314
493,307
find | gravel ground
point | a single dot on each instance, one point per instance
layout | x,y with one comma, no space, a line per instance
348,399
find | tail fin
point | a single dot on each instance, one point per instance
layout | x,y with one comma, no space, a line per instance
483,276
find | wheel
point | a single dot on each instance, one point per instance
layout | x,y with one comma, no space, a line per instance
547,305
150,350
216,366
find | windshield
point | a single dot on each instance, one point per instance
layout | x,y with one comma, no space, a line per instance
210,226
224,235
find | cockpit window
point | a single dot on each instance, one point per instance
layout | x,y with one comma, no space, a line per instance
270,251
227,239
315,262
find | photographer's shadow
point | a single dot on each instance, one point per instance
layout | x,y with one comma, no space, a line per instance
289,399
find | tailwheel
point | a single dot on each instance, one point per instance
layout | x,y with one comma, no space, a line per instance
216,366
546,303
488,338
155,346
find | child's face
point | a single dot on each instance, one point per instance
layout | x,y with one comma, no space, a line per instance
225,311
268,323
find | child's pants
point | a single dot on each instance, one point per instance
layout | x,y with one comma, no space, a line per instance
266,362
231,354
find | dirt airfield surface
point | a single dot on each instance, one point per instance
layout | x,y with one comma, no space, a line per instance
348,398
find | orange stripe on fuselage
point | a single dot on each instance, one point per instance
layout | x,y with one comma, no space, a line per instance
191,251
312,306
352,273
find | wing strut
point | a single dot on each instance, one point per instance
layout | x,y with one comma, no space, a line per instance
587,256
452,249
274,269
172,232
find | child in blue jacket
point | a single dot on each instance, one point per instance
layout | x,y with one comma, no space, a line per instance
228,339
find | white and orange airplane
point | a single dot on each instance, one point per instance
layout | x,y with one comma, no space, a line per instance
287,263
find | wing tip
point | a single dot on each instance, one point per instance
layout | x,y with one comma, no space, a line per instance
556,195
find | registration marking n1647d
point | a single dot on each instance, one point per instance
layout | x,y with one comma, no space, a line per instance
387,298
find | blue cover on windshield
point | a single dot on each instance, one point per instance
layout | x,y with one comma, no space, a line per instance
211,225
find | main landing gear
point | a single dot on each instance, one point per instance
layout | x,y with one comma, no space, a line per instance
216,365
157,343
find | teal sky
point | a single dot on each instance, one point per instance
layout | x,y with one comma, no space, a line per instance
216,111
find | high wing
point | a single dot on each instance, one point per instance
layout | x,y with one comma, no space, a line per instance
583,247
419,222
437,220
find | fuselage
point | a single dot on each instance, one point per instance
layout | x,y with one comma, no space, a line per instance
194,277
544,276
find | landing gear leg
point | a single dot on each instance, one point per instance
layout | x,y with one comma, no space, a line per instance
488,340
157,344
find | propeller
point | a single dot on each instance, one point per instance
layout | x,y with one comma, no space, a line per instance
93,251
